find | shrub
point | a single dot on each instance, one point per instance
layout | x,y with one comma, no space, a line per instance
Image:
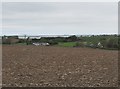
79,44
112,43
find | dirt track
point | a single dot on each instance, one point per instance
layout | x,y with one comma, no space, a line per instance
42,66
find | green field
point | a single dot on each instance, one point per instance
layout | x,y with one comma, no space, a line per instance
67,44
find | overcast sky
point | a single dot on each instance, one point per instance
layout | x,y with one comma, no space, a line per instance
59,18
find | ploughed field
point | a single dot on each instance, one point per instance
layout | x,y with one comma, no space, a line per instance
47,66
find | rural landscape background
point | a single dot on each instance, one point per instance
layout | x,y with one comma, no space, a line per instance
36,52
88,61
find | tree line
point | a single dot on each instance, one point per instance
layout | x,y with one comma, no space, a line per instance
94,41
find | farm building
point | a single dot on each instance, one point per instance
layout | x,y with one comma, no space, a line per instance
44,44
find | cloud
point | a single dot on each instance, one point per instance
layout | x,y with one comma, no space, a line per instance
60,18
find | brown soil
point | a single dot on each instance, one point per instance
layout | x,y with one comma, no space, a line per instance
41,66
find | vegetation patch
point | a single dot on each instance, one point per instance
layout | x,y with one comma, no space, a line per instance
67,44
92,41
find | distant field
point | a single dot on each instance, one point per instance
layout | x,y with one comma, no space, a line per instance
67,44
47,66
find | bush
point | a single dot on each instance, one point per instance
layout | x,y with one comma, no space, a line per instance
112,43
52,42
79,44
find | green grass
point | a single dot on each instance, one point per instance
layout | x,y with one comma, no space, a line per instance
67,44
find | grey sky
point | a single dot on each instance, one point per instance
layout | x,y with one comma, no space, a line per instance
36,18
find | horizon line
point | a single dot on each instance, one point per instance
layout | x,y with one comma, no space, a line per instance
56,34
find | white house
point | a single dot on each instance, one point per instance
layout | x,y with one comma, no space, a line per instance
44,44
